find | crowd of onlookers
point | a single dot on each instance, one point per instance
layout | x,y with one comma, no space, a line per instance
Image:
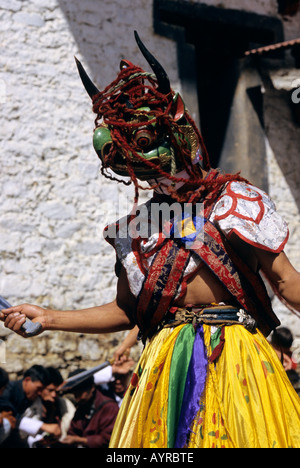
35,413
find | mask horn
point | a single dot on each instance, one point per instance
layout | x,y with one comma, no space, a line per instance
91,89
164,86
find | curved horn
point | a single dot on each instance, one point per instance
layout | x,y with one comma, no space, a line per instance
91,89
164,86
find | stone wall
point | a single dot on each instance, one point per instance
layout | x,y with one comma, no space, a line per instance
54,203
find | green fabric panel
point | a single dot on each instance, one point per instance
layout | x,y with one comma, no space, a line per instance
182,353
215,338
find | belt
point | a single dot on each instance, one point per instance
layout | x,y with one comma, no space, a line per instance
211,315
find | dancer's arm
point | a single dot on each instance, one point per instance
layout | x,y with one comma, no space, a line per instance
283,275
106,318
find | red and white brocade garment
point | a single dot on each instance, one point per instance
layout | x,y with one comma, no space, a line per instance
250,213
241,209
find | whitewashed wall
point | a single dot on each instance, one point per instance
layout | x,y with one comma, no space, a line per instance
53,201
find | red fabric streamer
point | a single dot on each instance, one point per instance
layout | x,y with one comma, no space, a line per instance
120,106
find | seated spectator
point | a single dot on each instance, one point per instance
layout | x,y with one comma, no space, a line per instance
48,419
18,396
7,420
3,380
114,379
94,419
282,340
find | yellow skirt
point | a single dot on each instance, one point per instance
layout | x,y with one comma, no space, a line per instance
177,398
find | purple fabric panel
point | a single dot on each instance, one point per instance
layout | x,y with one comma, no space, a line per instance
195,384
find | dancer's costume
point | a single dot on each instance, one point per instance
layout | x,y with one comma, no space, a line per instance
207,376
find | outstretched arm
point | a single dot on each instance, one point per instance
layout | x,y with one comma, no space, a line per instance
106,318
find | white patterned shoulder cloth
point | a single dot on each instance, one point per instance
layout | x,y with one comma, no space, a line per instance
251,214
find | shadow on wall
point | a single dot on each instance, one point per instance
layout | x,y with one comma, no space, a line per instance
91,26
284,138
104,33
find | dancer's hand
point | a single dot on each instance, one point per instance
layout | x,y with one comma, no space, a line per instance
15,317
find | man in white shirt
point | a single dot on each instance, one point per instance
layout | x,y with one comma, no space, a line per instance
48,419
